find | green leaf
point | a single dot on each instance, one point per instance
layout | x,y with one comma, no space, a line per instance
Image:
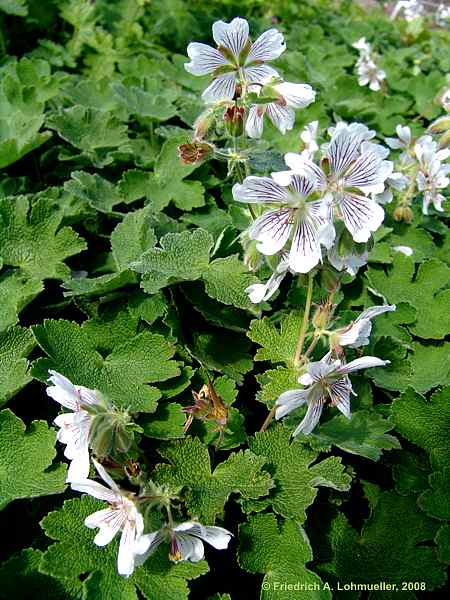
74,555
95,133
153,102
425,423
31,238
21,572
387,549
15,346
436,501
98,192
424,292
274,382
296,477
166,423
365,434
226,280
182,257
207,491
442,540
16,291
14,7
145,358
25,460
281,554
278,344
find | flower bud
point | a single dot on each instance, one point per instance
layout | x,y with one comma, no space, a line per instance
203,123
403,213
234,120
252,258
444,140
194,152
441,125
111,434
321,317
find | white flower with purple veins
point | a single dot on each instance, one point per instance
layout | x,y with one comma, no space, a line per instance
357,333
74,426
293,219
186,540
433,175
355,169
325,380
291,97
403,141
396,181
350,261
309,138
236,58
121,515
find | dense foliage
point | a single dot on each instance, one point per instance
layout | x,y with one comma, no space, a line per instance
126,269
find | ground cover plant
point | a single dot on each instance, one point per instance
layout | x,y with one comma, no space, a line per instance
224,300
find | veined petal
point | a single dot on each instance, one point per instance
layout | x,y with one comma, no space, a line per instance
304,166
255,121
343,150
260,73
109,521
289,401
259,190
361,215
268,46
272,230
222,88
218,537
125,557
368,173
204,59
312,417
95,489
63,392
404,134
283,178
147,544
233,36
319,369
374,311
79,465
365,362
357,335
339,392
88,397
259,292
106,478
302,185
305,249
297,95
190,547
282,117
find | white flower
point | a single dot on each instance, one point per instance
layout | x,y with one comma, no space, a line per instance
433,175
357,333
355,169
293,218
121,515
349,261
235,58
442,15
369,73
74,426
445,100
186,540
396,181
363,46
260,292
281,112
412,9
309,137
325,380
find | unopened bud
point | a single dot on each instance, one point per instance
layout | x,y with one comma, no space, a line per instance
194,152
321,317
403,213
111,434
441,125
203,123
252,258
444,140
234,120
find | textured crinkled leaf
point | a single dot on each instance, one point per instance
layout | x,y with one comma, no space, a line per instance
410,472
364,434
14,7
226,280
425,422
278,343
206,491
20,576
166,423
274,382
296,478
425,293
154,102
74,555
145,358
181,257
392,324
436,501
15,346
387,549
26,458
16,291
31,238
97,191
442,540
280,552
217,314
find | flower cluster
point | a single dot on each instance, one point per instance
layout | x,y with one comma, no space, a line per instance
327,379
123,512
422,168
409,9
369,73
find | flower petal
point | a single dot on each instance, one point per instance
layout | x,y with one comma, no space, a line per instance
268,46
217,537
190,547
297,95
374,311
204,59
289,401
106,478
95,489
339,392
302,165
260,73
305,251
255,121
109,521
361,215
222,88
368,173
79,465
272,230
311,418
125,557
259,190
343,150
233,36
282,117
365,362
